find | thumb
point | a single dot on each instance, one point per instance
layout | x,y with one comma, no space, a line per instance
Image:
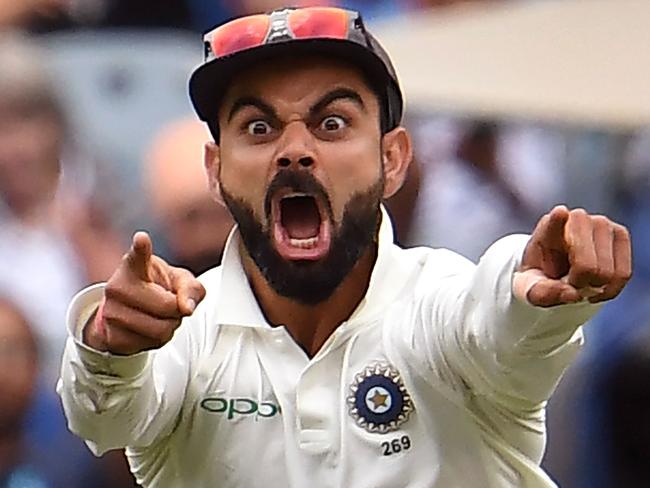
138,259
189,291
535,288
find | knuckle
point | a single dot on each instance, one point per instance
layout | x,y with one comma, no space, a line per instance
578,212
605,275
621,230
112,291
112,316
202,291
163,334
582,267
625,275
601,221
126,258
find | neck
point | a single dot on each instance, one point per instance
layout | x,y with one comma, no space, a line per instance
311,325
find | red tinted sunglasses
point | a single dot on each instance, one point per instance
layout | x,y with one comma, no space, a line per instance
305,23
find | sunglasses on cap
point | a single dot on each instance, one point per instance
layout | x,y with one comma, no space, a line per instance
325,30
284,25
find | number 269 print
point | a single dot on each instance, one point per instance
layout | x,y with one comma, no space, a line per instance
396,445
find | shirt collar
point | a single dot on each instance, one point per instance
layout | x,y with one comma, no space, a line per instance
237,305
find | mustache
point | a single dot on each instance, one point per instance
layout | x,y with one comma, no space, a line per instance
299,182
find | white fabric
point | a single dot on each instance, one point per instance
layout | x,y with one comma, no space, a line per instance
40,272
478,365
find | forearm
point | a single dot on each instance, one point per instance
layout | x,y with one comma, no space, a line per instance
521,351
114,401
105,399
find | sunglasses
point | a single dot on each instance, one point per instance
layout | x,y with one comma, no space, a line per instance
305,23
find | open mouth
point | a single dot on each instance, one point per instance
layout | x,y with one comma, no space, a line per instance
301,227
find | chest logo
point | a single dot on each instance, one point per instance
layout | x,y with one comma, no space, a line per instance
378,400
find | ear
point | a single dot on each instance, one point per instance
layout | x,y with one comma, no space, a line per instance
397,153
212,164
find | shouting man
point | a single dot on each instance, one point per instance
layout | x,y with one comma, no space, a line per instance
319,353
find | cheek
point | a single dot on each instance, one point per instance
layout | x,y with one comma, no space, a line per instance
351,168
245,174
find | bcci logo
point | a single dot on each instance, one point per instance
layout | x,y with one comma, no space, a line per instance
378,400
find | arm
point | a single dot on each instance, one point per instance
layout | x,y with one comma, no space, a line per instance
123,376
501,347
507,328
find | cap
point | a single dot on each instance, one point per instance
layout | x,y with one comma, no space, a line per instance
235,46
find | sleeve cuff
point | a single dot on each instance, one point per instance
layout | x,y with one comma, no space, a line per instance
518,318
81,309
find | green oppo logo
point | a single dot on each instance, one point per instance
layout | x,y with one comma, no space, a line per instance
240,406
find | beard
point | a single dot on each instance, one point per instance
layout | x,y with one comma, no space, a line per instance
309,282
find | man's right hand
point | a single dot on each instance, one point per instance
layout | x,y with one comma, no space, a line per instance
144,302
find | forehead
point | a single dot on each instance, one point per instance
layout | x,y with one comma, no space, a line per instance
291,80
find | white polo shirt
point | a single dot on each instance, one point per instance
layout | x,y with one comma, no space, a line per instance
438,379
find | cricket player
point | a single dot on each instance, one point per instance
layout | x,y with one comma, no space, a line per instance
320,354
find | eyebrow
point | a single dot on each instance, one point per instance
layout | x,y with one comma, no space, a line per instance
255,102
335,95
327,99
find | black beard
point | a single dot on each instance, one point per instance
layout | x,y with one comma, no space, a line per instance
309,282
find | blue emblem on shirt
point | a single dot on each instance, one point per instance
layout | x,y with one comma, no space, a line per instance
378,400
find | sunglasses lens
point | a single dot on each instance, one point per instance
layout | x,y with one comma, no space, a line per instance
319,22
240,34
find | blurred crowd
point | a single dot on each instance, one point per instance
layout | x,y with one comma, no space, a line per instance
97,140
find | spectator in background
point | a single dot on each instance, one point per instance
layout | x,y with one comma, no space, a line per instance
468,201
612,431
197,15
626,420
53,239
51,242
194,227
57,462
21,13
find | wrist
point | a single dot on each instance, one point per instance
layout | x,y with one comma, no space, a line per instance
94,332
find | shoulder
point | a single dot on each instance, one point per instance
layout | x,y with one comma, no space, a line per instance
433,262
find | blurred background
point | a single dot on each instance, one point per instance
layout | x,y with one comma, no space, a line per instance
515,106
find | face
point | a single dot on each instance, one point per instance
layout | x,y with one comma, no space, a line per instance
18,367
299,164
196,233
30,145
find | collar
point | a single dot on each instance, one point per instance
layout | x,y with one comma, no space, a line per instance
237,305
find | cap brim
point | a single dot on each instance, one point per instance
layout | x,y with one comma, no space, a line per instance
209,82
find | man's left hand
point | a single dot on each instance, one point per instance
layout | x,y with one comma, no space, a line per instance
573,256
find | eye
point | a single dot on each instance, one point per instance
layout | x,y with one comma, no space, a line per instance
333,123
259,128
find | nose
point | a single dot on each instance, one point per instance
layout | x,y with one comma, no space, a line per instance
296,146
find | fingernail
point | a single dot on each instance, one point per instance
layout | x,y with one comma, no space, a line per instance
191,304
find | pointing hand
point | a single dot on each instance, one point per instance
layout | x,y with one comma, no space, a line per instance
572,256
144,302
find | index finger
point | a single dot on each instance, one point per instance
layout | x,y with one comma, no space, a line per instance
138,258
583,260
551,229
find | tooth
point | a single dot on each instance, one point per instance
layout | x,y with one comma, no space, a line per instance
304,243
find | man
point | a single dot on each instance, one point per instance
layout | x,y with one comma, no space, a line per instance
193,227
35,450
320,354
47,230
